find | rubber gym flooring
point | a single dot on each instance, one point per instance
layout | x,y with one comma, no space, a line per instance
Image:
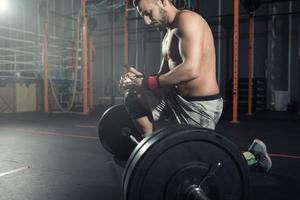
59,156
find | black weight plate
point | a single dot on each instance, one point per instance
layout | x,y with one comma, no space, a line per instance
141,148
113,121
170,161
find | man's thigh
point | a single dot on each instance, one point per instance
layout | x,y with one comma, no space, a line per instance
205,114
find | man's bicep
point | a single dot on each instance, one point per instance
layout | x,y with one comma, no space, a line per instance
190,43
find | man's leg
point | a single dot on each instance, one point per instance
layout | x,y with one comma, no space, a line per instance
257,155
207,113
138,112
144,125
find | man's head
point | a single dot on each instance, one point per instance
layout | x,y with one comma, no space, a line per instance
154,12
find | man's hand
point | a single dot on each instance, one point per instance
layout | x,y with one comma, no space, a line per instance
130,83
131,79
132,70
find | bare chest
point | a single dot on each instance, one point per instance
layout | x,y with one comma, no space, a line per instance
170,49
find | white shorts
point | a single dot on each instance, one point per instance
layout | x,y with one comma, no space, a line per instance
166,106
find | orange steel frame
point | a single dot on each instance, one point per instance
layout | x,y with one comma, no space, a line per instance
85,56
91,62
85,63
45,56
250,63
235,62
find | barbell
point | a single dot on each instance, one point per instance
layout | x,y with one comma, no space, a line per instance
177,162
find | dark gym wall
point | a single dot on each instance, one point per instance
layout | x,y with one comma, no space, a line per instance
207,10
261,42
146,45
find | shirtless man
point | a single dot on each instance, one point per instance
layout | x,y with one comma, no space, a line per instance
188,65
185,89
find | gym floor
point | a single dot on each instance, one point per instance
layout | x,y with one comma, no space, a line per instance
59,156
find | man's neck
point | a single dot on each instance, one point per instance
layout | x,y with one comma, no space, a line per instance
172,17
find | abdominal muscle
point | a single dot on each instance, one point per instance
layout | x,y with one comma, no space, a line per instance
198,87
204,85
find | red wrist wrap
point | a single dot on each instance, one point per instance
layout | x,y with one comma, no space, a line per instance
152,82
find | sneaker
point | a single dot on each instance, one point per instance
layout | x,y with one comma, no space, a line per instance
259,149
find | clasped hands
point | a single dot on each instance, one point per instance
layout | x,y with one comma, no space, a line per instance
131,79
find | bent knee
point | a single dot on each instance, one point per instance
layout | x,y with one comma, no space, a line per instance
134,105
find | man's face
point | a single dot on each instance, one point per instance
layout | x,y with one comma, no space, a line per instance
152,12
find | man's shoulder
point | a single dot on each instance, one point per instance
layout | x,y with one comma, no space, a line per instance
185,16
188,20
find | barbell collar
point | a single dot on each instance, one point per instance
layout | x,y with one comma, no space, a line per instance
195,193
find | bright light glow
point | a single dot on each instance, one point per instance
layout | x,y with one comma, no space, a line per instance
3,5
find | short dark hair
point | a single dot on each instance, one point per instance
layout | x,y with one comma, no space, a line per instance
136,2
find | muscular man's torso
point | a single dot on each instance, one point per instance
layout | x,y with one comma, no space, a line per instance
205,84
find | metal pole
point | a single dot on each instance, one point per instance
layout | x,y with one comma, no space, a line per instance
235,62
103,71
54,9
219,40
15,61
91,59
23,27
290,50
46,69
136,42
16,40
73,21
144,47
85,55
36,56
126,33
250,63
112,57
298,74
